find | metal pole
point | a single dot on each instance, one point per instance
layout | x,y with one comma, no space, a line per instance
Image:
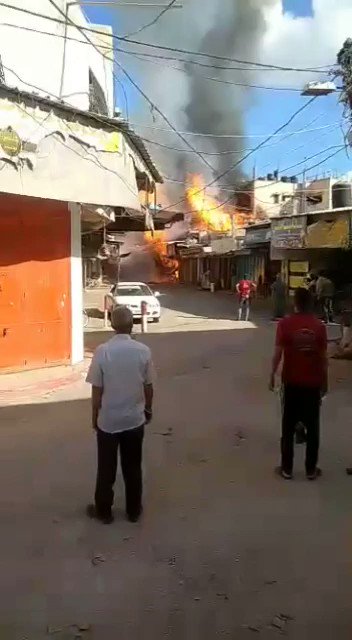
144,317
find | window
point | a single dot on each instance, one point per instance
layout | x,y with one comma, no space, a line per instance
97,101
133,290
276,198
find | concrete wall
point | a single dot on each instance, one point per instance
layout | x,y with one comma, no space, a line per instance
265,192
321,189
43,63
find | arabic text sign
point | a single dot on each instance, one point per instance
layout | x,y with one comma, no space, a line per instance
289,233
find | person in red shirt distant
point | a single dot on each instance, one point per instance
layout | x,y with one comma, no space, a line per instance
245,288
301,340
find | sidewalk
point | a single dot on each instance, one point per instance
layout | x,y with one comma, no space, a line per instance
28,386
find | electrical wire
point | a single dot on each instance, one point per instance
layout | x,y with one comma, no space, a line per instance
247,155
233,136
218,80
238,162
92,158
136,86
259,65
225,202
153,22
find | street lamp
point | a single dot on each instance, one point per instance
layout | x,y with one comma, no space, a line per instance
316,89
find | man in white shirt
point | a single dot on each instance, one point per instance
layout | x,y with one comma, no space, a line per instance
121,375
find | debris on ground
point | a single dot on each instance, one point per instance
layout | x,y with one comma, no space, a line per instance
223,595
252,628
270,582
53,630
98,559
280,621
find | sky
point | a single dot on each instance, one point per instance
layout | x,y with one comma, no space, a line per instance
299,33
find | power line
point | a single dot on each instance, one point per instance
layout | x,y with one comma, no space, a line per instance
229,152
225,202
247,155
259,65
219,80
233,135
136,86
153,22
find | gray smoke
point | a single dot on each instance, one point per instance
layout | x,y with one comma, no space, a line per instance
231,28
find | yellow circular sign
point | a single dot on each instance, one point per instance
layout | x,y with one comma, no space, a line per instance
10,142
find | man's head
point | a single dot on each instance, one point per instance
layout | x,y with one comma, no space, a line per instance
278,277
303,300
246,276
122,320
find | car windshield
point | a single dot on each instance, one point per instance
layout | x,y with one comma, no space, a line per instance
133,290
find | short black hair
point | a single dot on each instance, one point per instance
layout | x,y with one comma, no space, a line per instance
303,300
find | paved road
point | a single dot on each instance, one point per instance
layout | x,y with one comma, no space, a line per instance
225,548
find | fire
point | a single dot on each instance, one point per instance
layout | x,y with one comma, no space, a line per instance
166,266
208,214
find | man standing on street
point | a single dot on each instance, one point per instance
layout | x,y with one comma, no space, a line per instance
325,291
122,396
301,340
245,288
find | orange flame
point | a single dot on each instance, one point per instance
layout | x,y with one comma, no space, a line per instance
167,266
206,211
208,214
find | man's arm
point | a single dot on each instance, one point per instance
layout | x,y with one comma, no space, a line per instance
149,390
277,357
325,361
96,379
97,394
238,287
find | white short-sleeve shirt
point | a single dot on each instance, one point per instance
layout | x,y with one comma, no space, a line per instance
121,366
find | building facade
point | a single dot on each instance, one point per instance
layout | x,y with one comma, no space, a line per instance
54,59
66,165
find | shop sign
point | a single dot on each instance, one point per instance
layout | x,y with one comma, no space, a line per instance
10,142
329,234
257,236
289,233
191,252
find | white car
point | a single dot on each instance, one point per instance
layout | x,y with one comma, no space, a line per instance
131,295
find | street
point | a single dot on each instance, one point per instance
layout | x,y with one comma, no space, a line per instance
225,549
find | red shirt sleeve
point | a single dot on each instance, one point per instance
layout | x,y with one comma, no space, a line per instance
280,334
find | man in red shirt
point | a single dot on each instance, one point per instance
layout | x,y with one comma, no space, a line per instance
245,288
301,340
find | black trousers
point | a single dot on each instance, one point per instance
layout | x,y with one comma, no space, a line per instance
131,445
300,404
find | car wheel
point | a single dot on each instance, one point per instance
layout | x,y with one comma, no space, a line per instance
156,320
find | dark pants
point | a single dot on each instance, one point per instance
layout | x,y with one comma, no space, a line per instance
244,306
131,444
300,404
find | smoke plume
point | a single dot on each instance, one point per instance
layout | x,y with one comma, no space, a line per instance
232,28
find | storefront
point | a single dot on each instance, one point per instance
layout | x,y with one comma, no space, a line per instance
313,243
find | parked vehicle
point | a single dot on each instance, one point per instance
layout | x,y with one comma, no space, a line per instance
132,294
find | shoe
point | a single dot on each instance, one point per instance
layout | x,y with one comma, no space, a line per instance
283,474
135,517
315,475
349,471
93,514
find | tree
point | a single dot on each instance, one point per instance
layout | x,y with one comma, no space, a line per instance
344,59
